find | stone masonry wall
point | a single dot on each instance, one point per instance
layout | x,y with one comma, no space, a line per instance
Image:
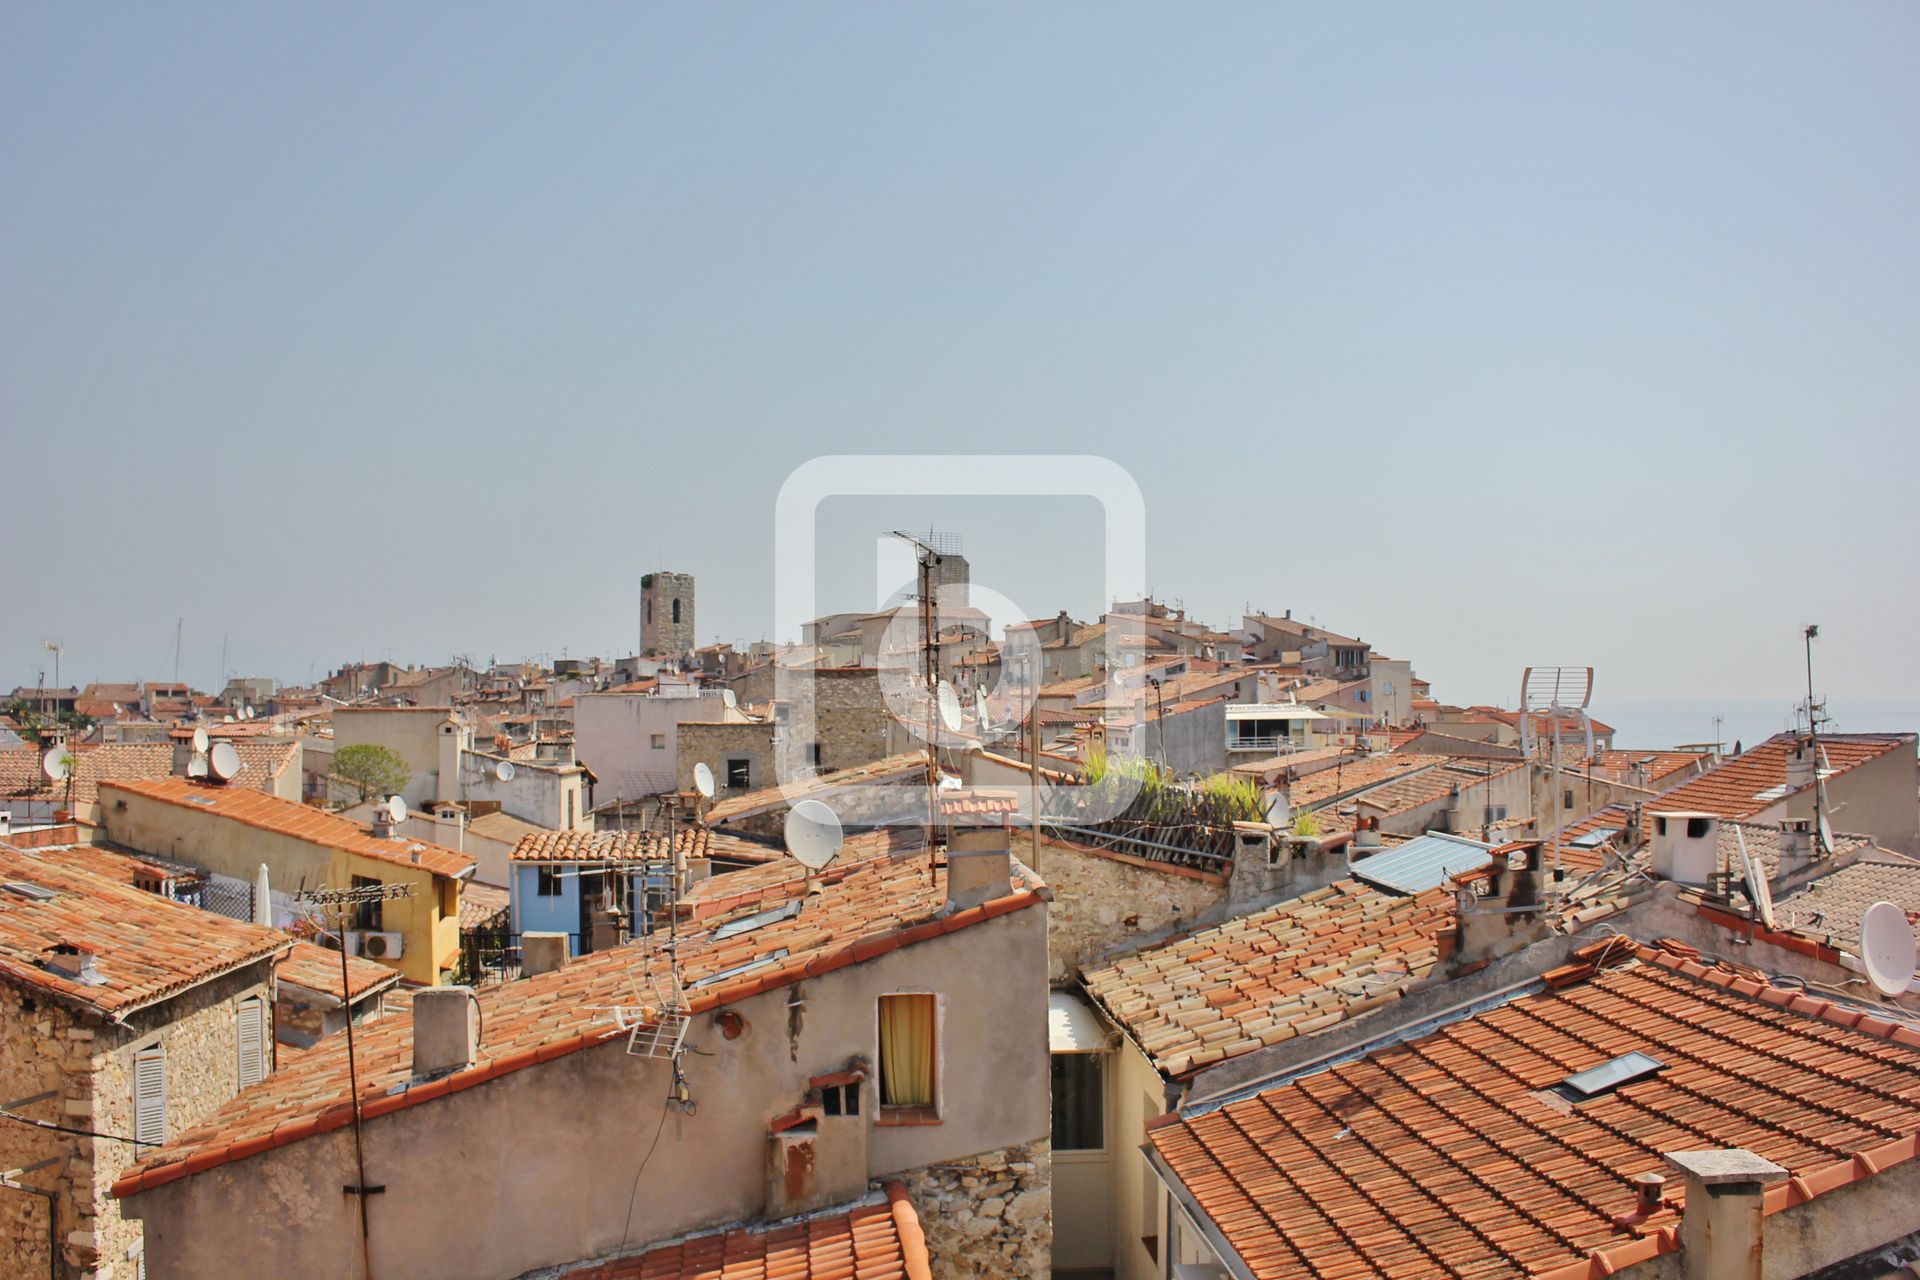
89,1065
1105,901
851,719
988,1217
700,742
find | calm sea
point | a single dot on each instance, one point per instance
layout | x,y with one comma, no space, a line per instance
1645,725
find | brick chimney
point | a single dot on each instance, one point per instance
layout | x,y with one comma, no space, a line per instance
1722,1232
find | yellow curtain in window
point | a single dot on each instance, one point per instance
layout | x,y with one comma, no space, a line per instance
906,1051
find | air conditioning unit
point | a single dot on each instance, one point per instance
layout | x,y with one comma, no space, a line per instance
380,946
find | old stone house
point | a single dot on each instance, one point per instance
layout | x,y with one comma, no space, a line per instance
125,1019
883,1019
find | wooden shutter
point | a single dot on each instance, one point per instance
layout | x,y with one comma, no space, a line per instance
253,1057
150,1095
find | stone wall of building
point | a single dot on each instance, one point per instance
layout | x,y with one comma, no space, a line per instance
716,745
988,1215
851,722
90,1065
661,634
1106,901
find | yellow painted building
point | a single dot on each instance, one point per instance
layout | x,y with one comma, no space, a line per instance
230,832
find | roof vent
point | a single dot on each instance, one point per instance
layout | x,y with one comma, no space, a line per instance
73,962
27,889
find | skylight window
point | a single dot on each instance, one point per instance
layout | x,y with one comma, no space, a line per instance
758,920
1610,1075
1772,793
739,969
27,889
1594,839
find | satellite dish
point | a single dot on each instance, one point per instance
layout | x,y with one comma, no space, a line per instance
949,703
980,710
1757,888
200,741
1278,810
1826,833
197,766
504,771
224,761
396,809
54,764
703,780
1887,948
813,834
246,713
729,699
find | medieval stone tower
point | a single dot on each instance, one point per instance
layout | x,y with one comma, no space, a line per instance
666,615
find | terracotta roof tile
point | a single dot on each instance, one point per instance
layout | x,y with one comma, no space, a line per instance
863,909
21,777
1449,1154
875,1241
318,969
1734,788
145,946
1261,978
300,822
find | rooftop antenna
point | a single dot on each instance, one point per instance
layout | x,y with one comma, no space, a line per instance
1559,694
52,645
178,627
929,556
1755,872
342,905
1887,948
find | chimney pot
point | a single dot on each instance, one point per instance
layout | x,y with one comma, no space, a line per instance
1649,1188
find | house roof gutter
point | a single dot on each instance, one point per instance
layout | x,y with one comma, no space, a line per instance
1216,1240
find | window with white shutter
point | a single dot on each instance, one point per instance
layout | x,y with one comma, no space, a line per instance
251,1033
150,1095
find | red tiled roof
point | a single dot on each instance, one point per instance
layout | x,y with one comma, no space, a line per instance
1733,789
977,800
299,822
886,769
318,969
145,946
868,1242
607,846
21,776
864,910
1265,977
1450,1154
1651,766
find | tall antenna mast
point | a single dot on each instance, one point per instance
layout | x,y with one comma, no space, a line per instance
53,646
177,628
1808,636
929,557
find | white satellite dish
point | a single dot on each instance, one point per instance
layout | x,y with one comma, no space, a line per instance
396,810
1278,810
224,761
197,766
54,764
504,771
813,834
246,713
1887,948
703,780
980,711
1757,887
729,699
949,703
200,741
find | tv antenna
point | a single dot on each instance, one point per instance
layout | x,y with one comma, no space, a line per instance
1559,694
1755,872
930,552
52,645
1887,948
336,907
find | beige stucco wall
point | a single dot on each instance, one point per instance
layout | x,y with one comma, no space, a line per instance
90,1065
217,843
412,732
535,1168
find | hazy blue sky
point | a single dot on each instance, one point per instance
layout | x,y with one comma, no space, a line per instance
1496,334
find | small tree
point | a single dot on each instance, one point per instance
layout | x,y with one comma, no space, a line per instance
374,770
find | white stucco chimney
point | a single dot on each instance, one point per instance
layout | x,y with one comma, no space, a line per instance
979,866
1722,1231
1685,846
446,1030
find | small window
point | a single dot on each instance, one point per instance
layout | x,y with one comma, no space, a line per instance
366,915
907,1051
659,742
250,1035
1609,1075
548,883
676,610
150,1096
449,898
1566,799
1079,1098
739,774
840,1100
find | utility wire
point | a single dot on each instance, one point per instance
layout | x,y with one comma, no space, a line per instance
633,1192
78,1133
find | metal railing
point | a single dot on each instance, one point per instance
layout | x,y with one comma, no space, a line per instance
1209,848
